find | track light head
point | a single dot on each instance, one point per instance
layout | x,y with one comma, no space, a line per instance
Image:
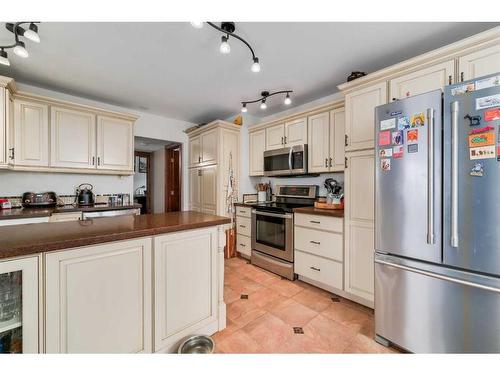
20,50
224,48
197,24
263,105
4,58
255,66
32,33
244,108
287,100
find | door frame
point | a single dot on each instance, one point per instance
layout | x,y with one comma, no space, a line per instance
149,177
168,150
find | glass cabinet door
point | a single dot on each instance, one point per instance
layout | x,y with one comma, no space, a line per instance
19,306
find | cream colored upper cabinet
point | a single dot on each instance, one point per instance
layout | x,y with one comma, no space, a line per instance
337,139
31,133
194,151
296,132
318,147
209,190
422,81
115,143
275,137
195,189
360,115
73,138
479,63
209,147
3,126
257,146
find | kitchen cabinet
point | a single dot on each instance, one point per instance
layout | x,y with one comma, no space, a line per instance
27,220
19,286
359,225
360,115
208,188
31,133
194,151
244,231
422,81
185,284
4,104
115,143
195,189
296,132
480,63
73,138
275,137
209,147
337,139
257,146
98,298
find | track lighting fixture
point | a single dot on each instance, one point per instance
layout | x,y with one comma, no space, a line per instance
227,28
18,46
263,98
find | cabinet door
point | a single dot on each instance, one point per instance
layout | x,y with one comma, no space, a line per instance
115,144
275,137
296,132
479,63
209,147
73,139
195,189
337,139
19,306
185,284
257,146
98,299
209,190
318,147
194,151
422,81
3,126
360,115
359,225
31,134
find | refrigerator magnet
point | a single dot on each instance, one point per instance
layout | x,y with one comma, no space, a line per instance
488,102
485,152
403,123
492,114
388,124
397,151
385,152
396,113
413,148
498,153
483,139
487,82
481,130
477,170
385,165
412,136
384,138
397,137
418,119
462,89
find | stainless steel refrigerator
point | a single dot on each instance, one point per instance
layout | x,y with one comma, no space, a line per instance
437,220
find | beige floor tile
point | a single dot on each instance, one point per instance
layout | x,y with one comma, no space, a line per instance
335,335
344,314
364,345
293,313
313,299
238,343
269,331
265,296
286,287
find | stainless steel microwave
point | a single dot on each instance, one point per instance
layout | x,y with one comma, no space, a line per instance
288,161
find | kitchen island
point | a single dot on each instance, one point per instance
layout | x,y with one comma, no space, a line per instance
130,284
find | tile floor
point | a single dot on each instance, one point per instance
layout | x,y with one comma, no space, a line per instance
268,314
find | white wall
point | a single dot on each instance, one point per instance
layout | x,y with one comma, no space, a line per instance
147,125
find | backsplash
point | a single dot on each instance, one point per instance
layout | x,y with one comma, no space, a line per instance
16,201
306,180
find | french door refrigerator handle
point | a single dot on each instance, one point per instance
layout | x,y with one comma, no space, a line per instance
430,176
454,175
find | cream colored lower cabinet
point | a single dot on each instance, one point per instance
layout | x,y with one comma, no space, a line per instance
65,216
185,285
257,146
98,299
244,231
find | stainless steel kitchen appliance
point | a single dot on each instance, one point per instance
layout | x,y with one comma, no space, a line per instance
84,195
47,199
288,161
437,215
272,228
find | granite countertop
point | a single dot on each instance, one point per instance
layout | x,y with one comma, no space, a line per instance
25,239
319,211
20,213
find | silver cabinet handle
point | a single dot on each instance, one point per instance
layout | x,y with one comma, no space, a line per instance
242,226
315,242
243,245
262,213
454,175
430,176
242,212
285,140
315,222
93,160
330,162
282,141
326,162
315,269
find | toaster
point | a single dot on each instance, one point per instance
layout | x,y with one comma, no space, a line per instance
47,199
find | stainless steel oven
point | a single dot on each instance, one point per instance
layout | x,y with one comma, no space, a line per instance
286,161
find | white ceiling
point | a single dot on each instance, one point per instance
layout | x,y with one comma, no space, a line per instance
175,70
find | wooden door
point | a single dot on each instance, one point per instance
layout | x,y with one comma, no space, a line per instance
173,175
209,147
479,63
21,276
31,133
73,138
337,139
98,299
318,147
359,224
296,132
257,146
194,151
209,190
185,280
360,115
275,137
115,144
422,81
195,189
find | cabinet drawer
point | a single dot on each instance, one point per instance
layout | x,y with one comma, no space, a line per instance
243,211
67,216
244,244
243,226
325,244
319,269
334,224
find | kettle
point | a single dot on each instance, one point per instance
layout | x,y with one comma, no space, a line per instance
84,195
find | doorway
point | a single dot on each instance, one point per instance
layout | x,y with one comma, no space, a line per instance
173,177
143,189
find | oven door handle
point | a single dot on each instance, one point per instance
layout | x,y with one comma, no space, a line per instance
283,216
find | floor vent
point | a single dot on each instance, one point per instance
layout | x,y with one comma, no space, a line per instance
244,296
298,330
